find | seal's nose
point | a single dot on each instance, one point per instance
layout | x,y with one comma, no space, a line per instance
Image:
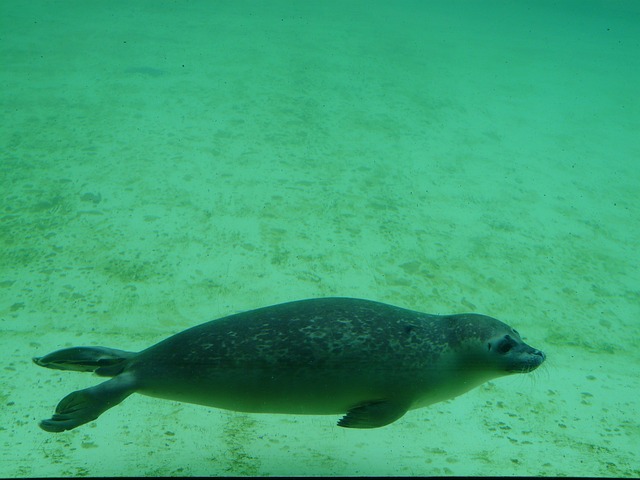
539,353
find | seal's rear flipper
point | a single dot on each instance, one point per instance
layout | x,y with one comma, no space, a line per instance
373,415
86,405
104,361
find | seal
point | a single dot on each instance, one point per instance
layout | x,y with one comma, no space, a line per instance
369,361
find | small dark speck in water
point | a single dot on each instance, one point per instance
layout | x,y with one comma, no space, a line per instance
146,71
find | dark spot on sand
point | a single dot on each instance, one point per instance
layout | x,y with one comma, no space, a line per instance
94,198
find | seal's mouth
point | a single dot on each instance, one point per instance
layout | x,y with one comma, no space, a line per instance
529,362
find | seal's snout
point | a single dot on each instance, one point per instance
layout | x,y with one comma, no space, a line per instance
525,359
534,360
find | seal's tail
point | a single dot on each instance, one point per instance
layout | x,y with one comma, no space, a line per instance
86,405
106,362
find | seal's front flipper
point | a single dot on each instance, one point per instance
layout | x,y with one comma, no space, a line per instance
373,415
104,361
83,406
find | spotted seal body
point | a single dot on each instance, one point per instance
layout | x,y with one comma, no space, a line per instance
370,361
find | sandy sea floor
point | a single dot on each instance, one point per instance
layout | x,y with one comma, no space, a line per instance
163,164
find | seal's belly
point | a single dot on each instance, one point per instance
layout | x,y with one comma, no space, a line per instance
283,390
259,401
315,394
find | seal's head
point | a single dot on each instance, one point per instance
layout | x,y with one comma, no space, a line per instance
488,344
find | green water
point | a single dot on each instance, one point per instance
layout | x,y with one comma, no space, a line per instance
167,163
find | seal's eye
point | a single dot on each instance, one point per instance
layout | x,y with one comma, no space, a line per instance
505,345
